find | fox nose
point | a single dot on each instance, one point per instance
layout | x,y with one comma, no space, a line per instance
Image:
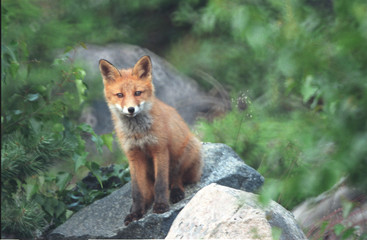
131,109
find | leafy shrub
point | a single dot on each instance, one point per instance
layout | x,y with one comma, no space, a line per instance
302,62
283,149
37,132
43,146
96,186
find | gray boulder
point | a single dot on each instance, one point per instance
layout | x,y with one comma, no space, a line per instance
105,217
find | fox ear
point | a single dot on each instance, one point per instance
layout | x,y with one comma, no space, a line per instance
108,71
143,68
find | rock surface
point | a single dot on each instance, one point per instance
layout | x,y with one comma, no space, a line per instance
105,217
331,207
172,87
218,212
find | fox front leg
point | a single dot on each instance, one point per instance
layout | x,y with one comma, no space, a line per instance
141,186
161,184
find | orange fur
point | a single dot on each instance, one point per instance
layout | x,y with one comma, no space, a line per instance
163,154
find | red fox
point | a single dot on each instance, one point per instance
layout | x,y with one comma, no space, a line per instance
163,154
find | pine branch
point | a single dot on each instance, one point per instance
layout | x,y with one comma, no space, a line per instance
23,157
22,218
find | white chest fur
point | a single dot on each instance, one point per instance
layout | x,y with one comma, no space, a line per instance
136,130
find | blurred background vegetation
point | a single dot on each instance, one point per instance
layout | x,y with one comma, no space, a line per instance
295,69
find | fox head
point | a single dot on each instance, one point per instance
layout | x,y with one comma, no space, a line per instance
128,92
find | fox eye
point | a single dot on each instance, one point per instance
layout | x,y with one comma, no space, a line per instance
137,93
119,95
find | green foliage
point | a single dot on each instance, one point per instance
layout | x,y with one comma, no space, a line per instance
283,149
43,146
21,217
24,156
41,23
37,132
334,226
99,183
50,25
302,61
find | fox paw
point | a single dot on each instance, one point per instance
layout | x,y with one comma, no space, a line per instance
132,217
160,207
176,195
